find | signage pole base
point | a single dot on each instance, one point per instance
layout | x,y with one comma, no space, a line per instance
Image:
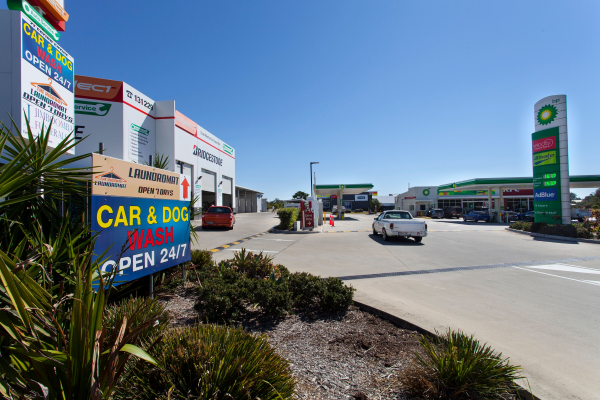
151,286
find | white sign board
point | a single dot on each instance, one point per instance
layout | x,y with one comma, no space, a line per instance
41,79
361,197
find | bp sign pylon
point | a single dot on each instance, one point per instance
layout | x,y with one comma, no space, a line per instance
550,154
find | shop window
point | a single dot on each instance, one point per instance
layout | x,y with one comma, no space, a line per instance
423,207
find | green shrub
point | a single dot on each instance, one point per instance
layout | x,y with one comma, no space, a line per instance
537,227
137,310
559,230
310,291
253,265
583,232
287,217
522,226
271,295
457,366
201,257
335,296
306,289
211,362
221,298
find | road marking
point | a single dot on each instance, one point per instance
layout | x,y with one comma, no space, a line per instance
225,246
567,268
490,266
278,240
466,230
596,283
255,251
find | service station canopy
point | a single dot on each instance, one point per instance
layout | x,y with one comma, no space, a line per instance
341,189
576,182
325,190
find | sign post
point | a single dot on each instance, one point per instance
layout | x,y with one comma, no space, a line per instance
142,216
551,191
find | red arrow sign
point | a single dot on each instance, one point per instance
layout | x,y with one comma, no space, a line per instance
185,185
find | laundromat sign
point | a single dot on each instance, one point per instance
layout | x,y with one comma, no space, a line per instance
142,215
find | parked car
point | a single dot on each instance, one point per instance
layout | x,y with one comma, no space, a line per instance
435,213
334,210
476,216
512,216
528,216
452,212
399,223
217,216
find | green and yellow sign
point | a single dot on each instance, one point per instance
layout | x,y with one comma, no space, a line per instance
545,158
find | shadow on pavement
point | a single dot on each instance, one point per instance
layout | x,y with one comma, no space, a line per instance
461,222
395,241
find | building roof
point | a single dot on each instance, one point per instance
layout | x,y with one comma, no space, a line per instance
247,189
350,188
526,182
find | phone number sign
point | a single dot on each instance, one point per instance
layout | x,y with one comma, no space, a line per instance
147,228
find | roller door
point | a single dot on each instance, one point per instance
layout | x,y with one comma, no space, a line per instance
208,181
227,185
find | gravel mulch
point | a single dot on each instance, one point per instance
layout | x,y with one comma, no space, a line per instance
353,355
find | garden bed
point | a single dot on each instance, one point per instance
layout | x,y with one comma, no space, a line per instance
348,355
332,356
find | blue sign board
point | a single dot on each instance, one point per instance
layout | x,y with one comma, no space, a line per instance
545,194
143,225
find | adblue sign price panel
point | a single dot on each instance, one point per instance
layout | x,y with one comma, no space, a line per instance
546,176
142,215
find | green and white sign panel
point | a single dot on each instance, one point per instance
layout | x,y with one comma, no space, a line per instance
550,157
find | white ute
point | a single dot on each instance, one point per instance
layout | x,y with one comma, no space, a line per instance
399,223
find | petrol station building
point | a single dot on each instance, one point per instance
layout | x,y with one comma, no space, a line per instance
506,194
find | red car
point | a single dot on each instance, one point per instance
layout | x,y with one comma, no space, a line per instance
218,216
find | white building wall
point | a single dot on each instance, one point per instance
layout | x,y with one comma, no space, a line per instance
136,127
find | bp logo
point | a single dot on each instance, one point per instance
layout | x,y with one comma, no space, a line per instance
426,191
546,114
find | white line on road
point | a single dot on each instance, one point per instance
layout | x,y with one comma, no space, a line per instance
254,251
596,283
566,268
277,240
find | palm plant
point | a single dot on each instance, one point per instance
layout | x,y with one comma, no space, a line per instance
456,366
53,343
159,161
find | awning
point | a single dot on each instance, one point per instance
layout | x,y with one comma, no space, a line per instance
576,182
354,188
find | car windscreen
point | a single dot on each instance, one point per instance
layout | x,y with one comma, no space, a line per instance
397,215
219,210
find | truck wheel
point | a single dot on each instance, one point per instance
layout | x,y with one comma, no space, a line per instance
418,239
385,236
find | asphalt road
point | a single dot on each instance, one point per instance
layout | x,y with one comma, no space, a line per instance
535,300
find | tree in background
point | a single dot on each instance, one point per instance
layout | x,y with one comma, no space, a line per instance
574,197
275,203
300,195
375,204
591,201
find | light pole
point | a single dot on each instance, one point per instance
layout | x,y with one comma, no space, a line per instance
311,177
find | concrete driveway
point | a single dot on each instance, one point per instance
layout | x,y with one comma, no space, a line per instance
535,300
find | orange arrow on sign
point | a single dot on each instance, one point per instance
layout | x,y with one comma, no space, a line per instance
185,185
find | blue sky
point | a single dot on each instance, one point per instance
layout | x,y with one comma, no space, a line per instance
385,92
